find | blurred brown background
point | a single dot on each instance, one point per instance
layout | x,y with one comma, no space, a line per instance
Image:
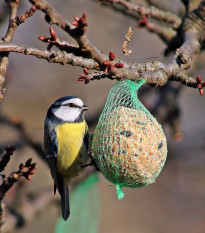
176,202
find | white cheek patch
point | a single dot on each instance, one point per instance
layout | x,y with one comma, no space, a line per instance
66,114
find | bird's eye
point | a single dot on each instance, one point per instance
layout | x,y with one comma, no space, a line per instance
71,105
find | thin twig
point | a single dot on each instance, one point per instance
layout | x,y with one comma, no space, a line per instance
25,170
166,33
152,12
14,22
17,124
6,157
31,208
76,32
52,57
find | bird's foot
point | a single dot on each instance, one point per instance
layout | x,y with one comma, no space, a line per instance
92,162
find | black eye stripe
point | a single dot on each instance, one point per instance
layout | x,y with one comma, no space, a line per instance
72,105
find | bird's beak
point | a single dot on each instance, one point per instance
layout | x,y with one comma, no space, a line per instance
85,108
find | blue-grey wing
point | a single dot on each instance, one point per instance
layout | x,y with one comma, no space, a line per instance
50,139
51,150
87,141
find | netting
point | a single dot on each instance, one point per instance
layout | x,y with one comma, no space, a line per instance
129,145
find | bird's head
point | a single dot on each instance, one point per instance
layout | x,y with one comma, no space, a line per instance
68,109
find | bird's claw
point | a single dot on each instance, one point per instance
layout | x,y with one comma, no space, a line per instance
92,162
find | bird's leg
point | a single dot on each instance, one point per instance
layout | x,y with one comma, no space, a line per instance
92,162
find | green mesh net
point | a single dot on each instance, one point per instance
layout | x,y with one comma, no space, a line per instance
129,145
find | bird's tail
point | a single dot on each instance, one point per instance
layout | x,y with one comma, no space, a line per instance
65,202
85,208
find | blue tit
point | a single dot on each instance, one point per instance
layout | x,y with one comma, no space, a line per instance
66,143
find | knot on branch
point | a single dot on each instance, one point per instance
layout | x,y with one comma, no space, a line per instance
183,57
157,78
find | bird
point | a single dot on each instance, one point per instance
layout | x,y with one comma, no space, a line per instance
66,144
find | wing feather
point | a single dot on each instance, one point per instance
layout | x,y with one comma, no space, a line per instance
51,150
87,139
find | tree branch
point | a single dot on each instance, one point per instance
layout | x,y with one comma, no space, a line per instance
155,73
14,22
24,170
52,17
166,33
4,56
52,57
152,12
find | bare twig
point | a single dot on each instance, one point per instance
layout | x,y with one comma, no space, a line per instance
14,22
24,170
29,208
166,33
62,45
152,12
52,57
16,123
6,157
4,56
77,32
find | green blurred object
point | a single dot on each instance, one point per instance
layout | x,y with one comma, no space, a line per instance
85,209
129,145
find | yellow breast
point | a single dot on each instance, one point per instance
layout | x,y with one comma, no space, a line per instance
70,147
